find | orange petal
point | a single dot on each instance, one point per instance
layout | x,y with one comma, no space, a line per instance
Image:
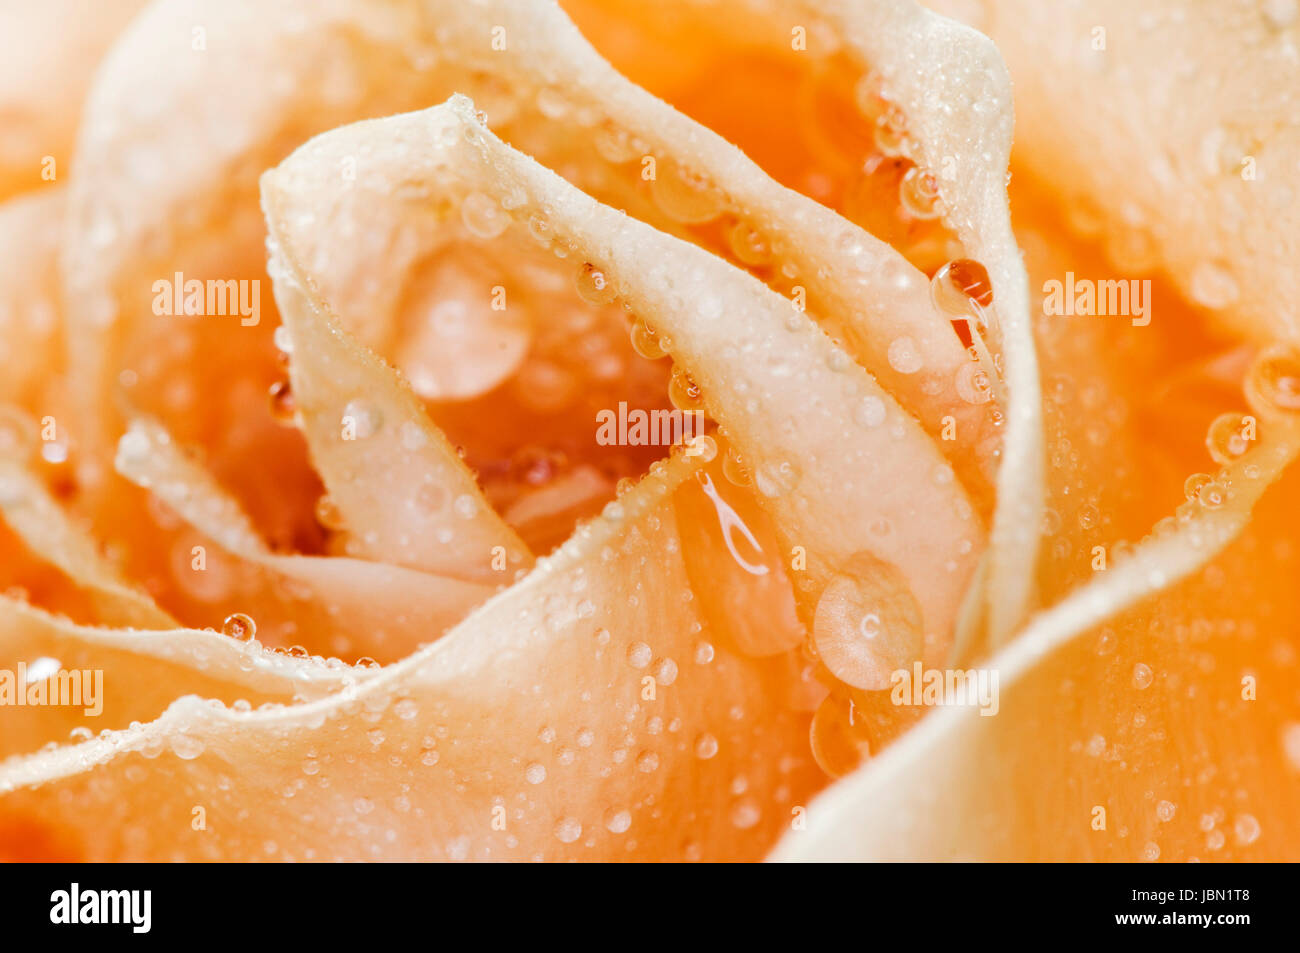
482,746
331,606
403,493
1078,716
126,676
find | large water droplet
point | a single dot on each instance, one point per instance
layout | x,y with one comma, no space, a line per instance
868,623
961,287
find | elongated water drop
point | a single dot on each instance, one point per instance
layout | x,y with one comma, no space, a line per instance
838,744
960,284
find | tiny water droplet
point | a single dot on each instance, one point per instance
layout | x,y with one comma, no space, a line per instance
239,626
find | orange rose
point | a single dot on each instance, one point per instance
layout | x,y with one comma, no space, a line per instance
600,427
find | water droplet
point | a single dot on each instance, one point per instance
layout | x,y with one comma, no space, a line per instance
961,288
869,412
745,814
283,340
284,409
1193,485
616,822
1246,829
734,469
704,655
665,672
1273,381
683,391
973,384
706,746
413,436
1165,810
646,341
594,285
702,448
1212,495
328,513
1281,13
639,655
1151,851
867,623
535,773
647,761
1213,286
482,216
891,133
614,143
568,829
186,747
361,418
1142,676
1291,744
918,192
1229,437
684,196
239,626
776,479
904,356
749,245
869,94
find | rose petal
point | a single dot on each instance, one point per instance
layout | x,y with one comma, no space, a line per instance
562,678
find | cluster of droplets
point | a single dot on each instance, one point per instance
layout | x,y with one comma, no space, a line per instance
1272,388
915,222
962,292
284,409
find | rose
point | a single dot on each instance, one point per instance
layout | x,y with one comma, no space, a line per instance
643,692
